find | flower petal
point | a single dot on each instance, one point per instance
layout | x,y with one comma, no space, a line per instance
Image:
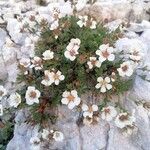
107,79
84,107
99,79
111,57
108,86
74,93
98,86
66,94
64,101
62,77
103,89
71,105
95,107
77,101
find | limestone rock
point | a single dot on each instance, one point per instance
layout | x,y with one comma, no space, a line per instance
2,37
116,141
143,124
13,27
145,36
78,137
95,136
3,71
140,90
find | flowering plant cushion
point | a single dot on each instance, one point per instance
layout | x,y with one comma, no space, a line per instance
75,55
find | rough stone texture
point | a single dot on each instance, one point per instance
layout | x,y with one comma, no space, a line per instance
103,136
143,87
116,141
3,72
94,137
128,11
13,26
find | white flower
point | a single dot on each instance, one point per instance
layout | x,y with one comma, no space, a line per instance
126,69
71,99
32,95
45,134
3,92
58,136
1,110
85,22
105,53
56,77
75,41
72,49
92,24
89,110
47,81
135,54
54,25
104,84
25,62
93,62
47,55
124,119
35,143
108,113
37,63
52,77
14,100
82,21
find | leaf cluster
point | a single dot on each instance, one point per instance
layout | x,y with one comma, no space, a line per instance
6,133
77,74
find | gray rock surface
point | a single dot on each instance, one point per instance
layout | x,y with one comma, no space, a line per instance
104,135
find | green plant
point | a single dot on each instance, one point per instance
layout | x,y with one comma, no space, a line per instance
6,133
77,73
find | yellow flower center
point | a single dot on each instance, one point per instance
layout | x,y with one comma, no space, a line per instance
72,52
125,68
107,111
103,82
90,109
71,97
105,54
93,62
123,117
56,77
33,94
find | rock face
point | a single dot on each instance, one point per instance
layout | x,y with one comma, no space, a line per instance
107,10
3,72
104,135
